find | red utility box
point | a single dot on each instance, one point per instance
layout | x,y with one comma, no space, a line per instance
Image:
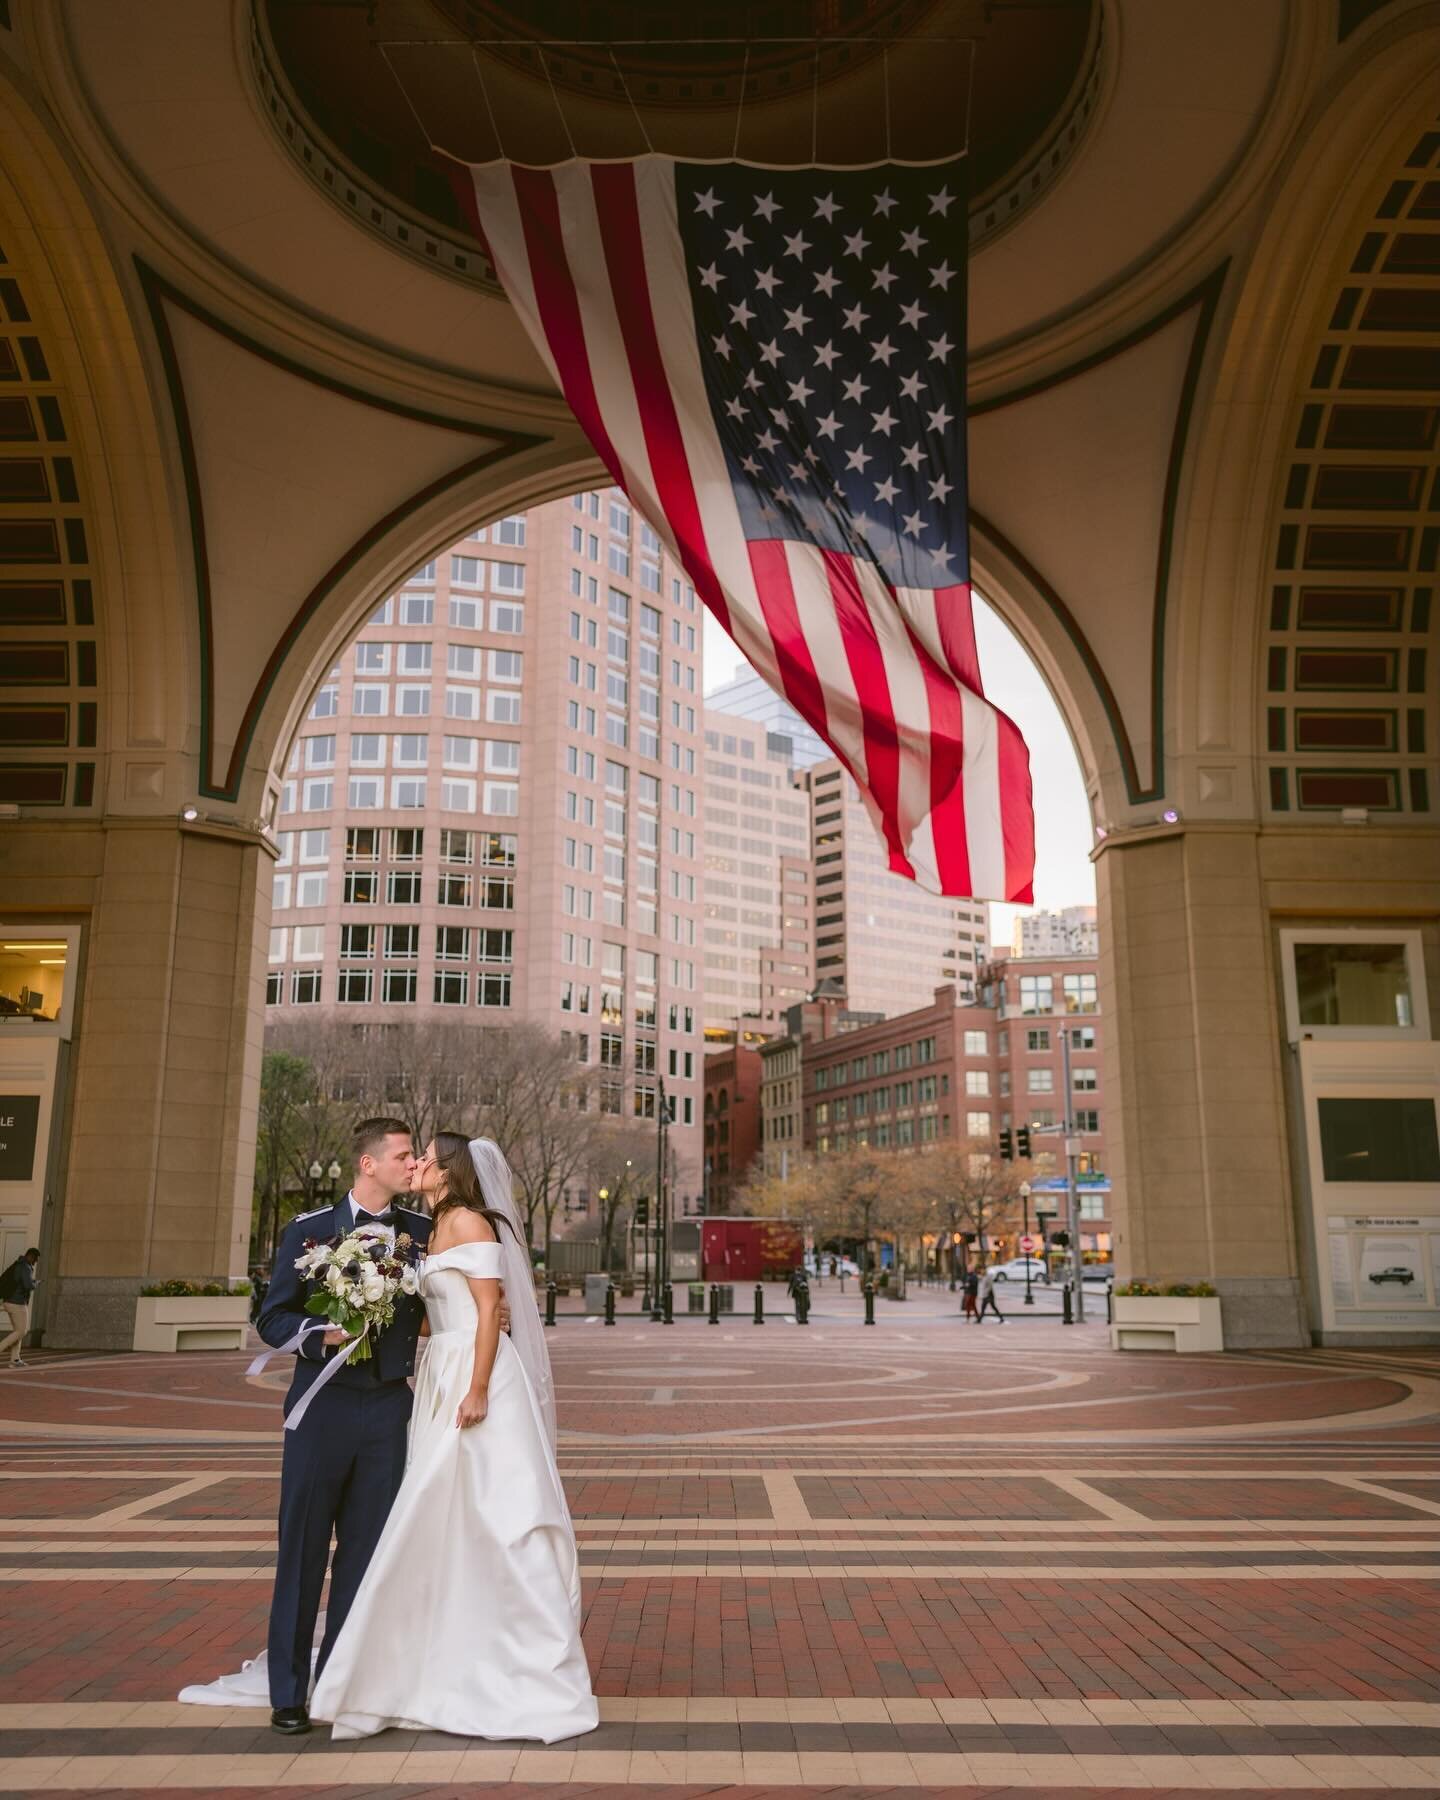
750,1249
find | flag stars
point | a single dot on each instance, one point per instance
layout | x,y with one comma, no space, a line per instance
854,388
942,202
741,314
798,472
885,421
828,426
910,456
912,524
796,246
940,348
737,239
827,283
911,241
884,278
939,419
855,317
711,278
767,440
827,208
826,354
767,281
883,351
942,276
706,203
857,459
910,387
770,353
736,408
911,315
749,465
940,489
886,491
766,208
722,347
885,203
800,391
796,319
856,244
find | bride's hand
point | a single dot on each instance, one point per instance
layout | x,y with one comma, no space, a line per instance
472,1410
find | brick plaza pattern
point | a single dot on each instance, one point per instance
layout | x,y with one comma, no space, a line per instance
843,1560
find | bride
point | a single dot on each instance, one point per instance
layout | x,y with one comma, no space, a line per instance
468,1618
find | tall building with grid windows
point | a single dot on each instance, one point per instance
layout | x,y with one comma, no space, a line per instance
885,942
493,809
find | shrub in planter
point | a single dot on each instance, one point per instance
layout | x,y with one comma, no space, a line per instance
193,1290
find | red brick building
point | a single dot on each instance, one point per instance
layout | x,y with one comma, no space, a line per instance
732,1121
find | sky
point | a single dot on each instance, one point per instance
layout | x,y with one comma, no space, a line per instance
1064,836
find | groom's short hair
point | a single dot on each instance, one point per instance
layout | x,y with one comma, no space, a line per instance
370,1134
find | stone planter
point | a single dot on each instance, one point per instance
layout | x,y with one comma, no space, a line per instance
191,1321
1178,1322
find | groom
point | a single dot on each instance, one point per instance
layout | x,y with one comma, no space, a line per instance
343,1464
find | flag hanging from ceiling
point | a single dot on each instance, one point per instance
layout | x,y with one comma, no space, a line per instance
771,364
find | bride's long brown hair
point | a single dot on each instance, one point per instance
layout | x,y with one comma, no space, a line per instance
462,1182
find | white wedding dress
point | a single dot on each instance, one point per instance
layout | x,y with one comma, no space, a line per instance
468,1618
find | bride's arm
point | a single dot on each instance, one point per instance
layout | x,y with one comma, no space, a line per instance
475,1403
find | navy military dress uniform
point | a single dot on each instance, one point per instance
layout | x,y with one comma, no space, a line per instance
343,1464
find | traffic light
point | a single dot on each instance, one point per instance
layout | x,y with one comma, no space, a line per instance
1007,1147
642,1210
1022,1142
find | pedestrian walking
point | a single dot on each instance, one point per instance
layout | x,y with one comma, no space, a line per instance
970,1304
988,1302
17,1285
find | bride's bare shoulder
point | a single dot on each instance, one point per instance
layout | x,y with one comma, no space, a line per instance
461,1226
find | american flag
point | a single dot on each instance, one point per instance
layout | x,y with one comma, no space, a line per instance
771,363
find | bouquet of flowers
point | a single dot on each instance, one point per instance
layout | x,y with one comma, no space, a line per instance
361,1274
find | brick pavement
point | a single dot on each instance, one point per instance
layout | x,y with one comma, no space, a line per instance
851,1561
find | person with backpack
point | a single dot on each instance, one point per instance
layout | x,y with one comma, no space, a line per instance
17,1285
969,1306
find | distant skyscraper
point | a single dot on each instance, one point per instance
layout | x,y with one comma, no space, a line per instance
757,882
1070,932
493,810
748,696
885,940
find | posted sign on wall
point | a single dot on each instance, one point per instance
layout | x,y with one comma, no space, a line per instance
19,1127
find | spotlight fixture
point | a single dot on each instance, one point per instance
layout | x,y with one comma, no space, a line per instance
1101,833
1170,816
189,814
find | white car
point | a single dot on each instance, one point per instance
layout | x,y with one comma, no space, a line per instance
1014,1270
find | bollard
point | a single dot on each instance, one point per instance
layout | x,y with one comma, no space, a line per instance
714,1304
869,1292
610,1304
1110,1303
802,1306
1066,1314
759,1304
669,1304
549,1302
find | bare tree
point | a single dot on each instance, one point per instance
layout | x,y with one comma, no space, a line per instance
620,1166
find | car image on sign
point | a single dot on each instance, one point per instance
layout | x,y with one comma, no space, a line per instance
1396,1272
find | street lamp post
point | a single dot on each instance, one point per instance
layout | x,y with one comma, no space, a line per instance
1025,1202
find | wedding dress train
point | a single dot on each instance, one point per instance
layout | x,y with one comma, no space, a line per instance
468,1617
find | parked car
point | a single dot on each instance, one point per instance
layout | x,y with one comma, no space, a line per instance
1396,1272
1014,1270
1097,1272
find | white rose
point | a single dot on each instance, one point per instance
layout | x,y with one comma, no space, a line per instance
334,1280
373,1283
409,1281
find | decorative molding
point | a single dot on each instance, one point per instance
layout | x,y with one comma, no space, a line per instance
159,293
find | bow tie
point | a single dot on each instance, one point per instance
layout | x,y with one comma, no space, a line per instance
384,1218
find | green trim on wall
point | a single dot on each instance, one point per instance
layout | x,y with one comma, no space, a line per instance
158,294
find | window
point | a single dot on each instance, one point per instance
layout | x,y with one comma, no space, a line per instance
511,530
315,846
1039,1081
502,757
1080,994
495,946
452,987
977,1124
617,644
457,795
492,990
454,890
507,665
372,659
369,702
415,659
1355,987
461,752
1037,994
327,703
466,614
466,571
1037,1041
457,847
407,791
398,987
1082,1037
354,986
1381,1139
367,750
318,795
452,943
412,702
1089,1120
357,941
309,945
502,709
462,702
619,560
310,889
402,941
502,797
497,849
365,793
407,843
275,988
977,1081
463,659
279,938
497,893
506,578
305,987
417,609
1084,1078
977,1043
507,616
402,887
362,887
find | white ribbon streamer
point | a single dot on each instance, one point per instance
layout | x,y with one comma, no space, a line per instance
293,1345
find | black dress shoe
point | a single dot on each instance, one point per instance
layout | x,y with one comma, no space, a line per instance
290,1721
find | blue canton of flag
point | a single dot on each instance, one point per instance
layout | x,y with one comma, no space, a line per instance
830,317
